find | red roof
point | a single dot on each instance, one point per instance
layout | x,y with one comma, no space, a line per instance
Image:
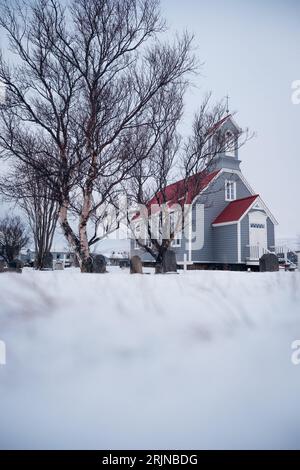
182,192
184,189
219,123
235,209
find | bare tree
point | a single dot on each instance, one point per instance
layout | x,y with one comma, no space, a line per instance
168,204
13,237
82,86
25,186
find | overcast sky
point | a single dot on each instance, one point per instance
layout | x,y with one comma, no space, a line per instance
251,50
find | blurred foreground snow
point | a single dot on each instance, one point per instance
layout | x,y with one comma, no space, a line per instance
189,361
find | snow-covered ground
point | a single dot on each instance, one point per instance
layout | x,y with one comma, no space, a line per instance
196,360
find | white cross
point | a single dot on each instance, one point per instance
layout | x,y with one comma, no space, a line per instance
186,263
227,104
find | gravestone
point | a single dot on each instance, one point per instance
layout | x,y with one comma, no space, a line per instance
268,263
48,261
169,264
136,266
99,264
58,265
15,266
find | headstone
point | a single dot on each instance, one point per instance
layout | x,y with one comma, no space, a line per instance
15,266
268,263
136,266
2,265
169,264
58,265
99,264
48,261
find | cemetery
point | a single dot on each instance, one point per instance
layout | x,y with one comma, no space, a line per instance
149,231
91,358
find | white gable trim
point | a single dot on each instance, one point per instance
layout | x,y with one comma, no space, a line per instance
225,121
261,202
257,205
204,189
239,173
239,242
235,124
222,224
263,207
250,189
220,172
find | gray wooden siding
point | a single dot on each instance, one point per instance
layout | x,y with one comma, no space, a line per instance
214,249
270,233
225,244
214,202
223,161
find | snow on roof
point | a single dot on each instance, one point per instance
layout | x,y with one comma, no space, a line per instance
118,255
235,209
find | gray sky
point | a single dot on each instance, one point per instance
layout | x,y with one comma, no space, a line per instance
251,50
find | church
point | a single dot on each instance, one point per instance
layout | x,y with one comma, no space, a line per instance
237,226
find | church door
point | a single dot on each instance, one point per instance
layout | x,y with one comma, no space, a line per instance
258,233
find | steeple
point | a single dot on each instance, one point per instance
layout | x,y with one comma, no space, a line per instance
229,133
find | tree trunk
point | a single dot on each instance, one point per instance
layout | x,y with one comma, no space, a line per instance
159,261
79,245
68,232
86,259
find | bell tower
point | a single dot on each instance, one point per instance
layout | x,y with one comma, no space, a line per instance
227,141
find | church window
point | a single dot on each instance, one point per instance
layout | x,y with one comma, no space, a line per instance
230,190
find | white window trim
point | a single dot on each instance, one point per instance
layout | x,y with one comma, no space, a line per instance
176,243
234,190
248,186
